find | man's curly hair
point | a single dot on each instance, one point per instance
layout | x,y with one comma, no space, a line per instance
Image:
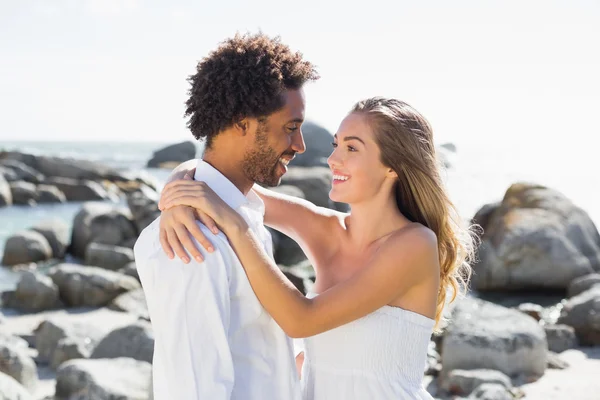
244,77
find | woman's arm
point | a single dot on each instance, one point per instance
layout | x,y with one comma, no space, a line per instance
405,259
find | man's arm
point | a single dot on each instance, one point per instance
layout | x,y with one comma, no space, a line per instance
189,307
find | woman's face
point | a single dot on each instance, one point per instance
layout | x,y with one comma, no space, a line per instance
358,173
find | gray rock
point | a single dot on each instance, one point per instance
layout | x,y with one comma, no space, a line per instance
56,232
68,348
22,171
175,153
482,335
108,256
560,338
101,223
318,146
583,283
10,389
8,174
315,183
5,192
24,193
582,312
36,292
26,247
143,204
536,239
463,382
56,340
134,341
130,270
17,364
90,286
112,379
81,190
50,194
133,302
491,391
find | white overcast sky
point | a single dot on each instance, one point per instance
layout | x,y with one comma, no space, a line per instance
481,71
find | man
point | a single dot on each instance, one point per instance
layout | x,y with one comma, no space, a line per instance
213,339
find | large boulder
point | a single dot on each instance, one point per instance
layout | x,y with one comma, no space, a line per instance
143,204
175,153
23,193
5,193
582,312
101,223
81,190
10,389
318,146
56,232
17,364
560,338
134,341
26,247
111,379
482,335
50,194
22,171
90,286
108,256
314,182
36,292
535,239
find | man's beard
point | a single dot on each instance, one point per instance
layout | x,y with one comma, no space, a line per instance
260,163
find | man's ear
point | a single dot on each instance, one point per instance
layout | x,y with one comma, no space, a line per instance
242,126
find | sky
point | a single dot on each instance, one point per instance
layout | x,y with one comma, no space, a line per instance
484,73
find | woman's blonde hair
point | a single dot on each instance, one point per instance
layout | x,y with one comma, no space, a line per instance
405,140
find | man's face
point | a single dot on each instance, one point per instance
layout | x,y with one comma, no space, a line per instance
277,140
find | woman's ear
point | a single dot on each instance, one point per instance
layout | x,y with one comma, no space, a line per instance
391,174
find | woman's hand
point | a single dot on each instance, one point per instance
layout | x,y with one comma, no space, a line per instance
178,201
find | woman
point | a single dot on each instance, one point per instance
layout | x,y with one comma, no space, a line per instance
383,271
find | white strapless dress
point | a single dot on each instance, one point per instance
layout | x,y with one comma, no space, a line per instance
380,356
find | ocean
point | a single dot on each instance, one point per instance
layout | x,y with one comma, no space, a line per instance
478,175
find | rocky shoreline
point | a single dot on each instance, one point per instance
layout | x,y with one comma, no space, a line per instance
81,330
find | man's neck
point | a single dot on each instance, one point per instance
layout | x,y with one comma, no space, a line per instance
232,169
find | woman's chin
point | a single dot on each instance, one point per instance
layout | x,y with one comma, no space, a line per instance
335,196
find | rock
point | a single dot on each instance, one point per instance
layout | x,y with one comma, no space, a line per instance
90,286
449,146
22,172
5,193
485,214
68,348
175,153
108,256
583,283
36,292
582,312
555,362
56,232
10,389
81,190
50,194
536,239
533,310
482,335
143,204
318,146
17,364
134,341
433,366
286,250
26,247
24,193
133,302
12,340
101,223
315,183
130,270
58,340
463,382
302,275
113,379
560,338
491,391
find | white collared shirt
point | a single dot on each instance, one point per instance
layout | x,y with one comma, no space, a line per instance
213,339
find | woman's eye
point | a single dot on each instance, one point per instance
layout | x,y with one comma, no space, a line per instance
350,148
334,145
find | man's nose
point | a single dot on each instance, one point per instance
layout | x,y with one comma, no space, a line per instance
298,144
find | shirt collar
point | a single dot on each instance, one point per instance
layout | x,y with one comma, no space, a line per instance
225,189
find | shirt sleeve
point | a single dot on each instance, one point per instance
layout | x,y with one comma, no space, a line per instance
190,317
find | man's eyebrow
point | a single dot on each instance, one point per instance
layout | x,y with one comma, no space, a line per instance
296,120
351,138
